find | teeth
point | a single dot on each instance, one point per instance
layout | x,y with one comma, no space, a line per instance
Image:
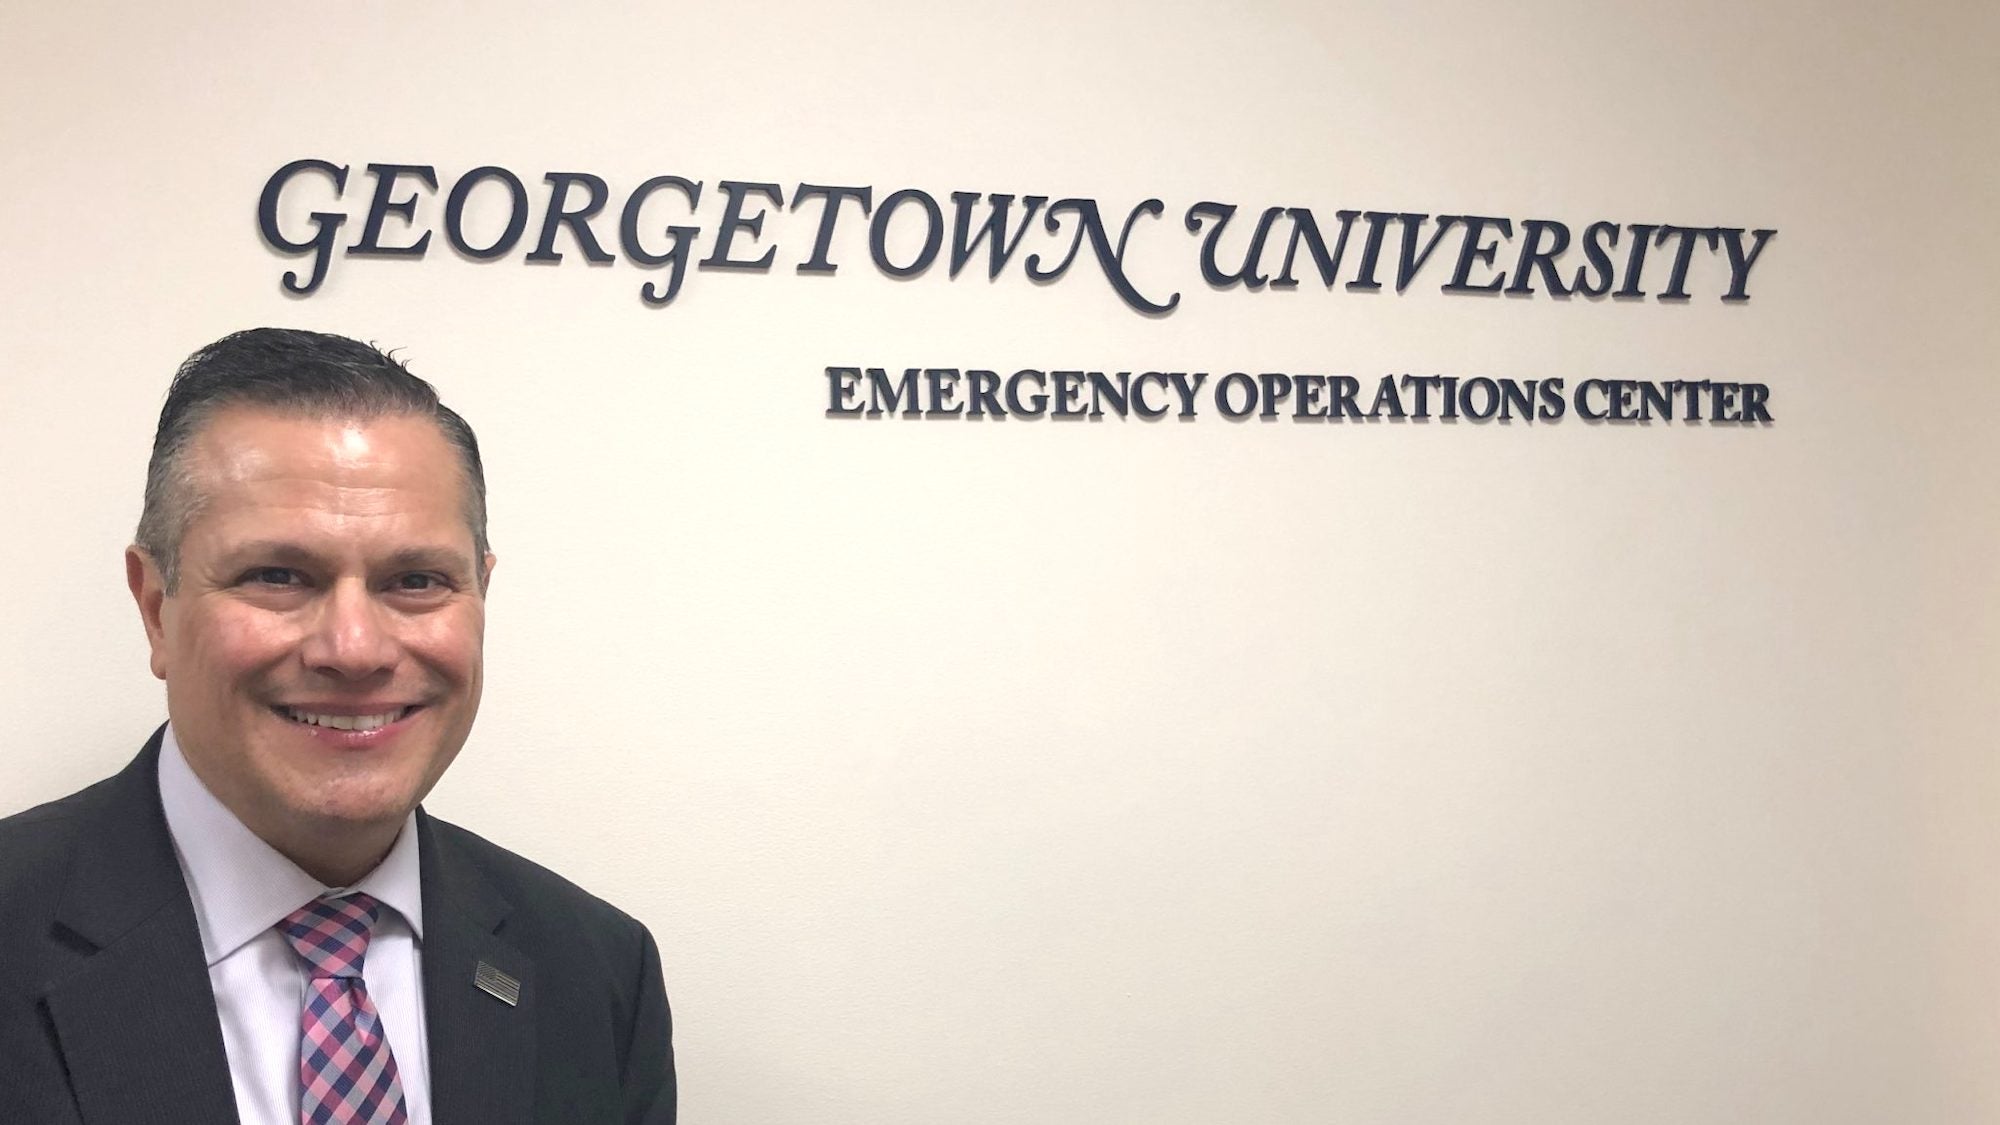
343,722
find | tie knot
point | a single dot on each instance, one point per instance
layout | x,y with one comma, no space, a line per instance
332,934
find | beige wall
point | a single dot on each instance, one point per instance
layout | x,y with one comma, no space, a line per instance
1202,773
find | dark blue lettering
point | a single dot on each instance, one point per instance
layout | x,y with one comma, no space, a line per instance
325,223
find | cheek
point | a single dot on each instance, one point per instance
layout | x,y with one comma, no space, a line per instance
230,645
450,643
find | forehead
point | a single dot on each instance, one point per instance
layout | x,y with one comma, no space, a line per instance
247,463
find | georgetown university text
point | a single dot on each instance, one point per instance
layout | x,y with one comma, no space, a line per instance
667,223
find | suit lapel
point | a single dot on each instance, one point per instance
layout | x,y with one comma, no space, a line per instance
135,1016
482,1049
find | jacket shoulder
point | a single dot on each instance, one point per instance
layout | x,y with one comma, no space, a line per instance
39,853
541,898
35,844
612,1030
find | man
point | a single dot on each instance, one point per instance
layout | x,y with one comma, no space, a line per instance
255,920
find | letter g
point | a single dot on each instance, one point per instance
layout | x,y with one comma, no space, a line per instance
325,223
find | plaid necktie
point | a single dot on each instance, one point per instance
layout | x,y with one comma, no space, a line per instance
346,1075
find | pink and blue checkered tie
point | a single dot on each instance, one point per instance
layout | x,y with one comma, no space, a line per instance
346,1075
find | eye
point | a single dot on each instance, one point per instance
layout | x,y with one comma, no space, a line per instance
421,582
272,576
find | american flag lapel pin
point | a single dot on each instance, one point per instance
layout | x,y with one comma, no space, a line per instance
497,984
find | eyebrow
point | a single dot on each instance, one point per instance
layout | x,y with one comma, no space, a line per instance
428,558
408,558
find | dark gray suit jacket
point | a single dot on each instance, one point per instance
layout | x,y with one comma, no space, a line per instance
107,1018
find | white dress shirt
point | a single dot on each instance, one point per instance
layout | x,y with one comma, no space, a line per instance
242,888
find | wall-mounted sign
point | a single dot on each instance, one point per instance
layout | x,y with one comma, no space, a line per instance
486,214
1034,393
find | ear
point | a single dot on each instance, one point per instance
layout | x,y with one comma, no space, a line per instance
149,589
486,573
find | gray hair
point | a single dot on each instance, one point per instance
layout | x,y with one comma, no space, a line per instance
289,371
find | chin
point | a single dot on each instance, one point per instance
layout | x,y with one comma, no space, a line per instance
356,802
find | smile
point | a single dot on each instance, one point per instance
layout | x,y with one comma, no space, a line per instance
344,722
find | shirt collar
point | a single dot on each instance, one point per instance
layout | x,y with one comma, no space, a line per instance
242,886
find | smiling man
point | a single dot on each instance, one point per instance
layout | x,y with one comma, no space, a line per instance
255,921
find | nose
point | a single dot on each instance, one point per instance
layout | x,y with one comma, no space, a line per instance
352,639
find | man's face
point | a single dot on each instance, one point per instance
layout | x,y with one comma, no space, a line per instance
322,651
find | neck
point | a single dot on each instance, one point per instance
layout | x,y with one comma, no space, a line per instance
337,863
339,853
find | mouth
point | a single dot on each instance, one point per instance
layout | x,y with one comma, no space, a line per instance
346,720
